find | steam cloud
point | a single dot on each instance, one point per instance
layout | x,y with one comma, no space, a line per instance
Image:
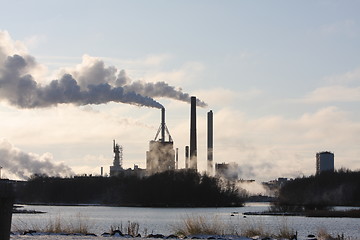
161,89
26,164
90,83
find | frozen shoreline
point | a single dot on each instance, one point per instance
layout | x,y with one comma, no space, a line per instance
44,236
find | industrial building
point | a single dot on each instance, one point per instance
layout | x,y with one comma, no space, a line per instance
324,162
161,154
228,171
116,168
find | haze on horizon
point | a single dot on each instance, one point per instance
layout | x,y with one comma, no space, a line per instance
282,78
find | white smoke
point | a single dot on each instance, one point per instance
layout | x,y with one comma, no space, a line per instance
19,88
91,82
254,188
24,164
93,71
161,89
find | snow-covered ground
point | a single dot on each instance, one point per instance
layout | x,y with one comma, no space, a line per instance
62,237
53,237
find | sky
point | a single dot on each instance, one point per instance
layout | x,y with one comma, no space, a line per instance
282,78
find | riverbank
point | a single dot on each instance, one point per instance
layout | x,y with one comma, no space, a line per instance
190,228
353,213
62,237
17,209
42,236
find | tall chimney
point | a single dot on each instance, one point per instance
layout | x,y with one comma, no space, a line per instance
210,142
186,157
177,158
162,124
193,148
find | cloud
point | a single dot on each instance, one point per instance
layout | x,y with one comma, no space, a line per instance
347,27
35,41
187,73
148,61
23,164
275,146
219,97
341,88
349,77
335,93
10,47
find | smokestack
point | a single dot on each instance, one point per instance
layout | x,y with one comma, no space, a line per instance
210,142
193,147
101,171
186,157
163,124
177,159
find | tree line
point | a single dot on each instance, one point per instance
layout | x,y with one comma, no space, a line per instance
185,188
322,190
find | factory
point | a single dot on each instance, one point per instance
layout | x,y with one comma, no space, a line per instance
162,155
116,168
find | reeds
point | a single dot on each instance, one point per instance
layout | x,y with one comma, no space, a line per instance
323,234
191,225
79,225
199,225
284,231
131,229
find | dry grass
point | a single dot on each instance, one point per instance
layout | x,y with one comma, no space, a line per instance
80,225
253,229
284,231
132,228
324,235
199,225
195,225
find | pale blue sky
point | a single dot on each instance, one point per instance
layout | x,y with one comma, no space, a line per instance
283,77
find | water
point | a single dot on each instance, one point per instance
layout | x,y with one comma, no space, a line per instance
165,220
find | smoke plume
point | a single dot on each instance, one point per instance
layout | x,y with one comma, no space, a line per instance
91,82
161,89
20,89
24,164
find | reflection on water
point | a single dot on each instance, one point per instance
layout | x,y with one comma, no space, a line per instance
164,220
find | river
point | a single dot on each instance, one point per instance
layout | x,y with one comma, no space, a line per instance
99,219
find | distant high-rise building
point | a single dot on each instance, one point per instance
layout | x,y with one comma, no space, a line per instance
324,162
